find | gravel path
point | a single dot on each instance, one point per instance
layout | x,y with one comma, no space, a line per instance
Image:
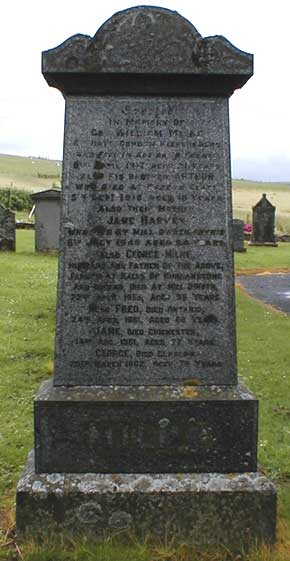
274,289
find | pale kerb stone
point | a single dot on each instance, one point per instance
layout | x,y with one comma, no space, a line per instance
47,219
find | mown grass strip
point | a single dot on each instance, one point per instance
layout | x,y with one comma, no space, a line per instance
258,259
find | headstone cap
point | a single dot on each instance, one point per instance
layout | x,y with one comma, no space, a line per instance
264,203
47,194
146,43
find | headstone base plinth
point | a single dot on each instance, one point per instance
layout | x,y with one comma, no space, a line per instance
203,509
145,429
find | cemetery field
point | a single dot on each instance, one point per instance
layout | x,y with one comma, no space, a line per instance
263,259
247,193
27,323
33,174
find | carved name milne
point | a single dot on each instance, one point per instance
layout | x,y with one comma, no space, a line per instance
145,276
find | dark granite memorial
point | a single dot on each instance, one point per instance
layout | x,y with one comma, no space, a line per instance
150,429
263,232
7,229
145,424
146,262
238,235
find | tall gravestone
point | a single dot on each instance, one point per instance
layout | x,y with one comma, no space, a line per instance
47,219
238,235
7,229
263,232
145,425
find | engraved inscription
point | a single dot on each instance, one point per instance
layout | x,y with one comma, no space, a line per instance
147,258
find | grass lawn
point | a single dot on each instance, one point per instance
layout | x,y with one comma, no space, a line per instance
27,323
27,300
263,259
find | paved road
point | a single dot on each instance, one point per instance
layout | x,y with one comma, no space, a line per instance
272,289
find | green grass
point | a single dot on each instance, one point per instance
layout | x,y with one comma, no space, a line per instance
27,324
29,173
27,300
263,258
264,364
127,548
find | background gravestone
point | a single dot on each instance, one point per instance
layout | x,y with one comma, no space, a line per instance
7,229
238,235
47,219
145,424
263,232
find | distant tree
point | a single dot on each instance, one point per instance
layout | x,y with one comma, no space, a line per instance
16,199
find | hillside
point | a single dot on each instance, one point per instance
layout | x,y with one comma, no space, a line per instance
36,174
33,174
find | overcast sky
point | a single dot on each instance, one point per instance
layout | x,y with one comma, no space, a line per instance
31,113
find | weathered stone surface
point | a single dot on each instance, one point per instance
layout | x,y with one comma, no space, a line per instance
47,219
201,509
238,235
146,273
146,296
160,52
145,429
7,229
263,232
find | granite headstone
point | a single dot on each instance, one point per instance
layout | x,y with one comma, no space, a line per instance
145,410
146,258
263,232
7,229
238,235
